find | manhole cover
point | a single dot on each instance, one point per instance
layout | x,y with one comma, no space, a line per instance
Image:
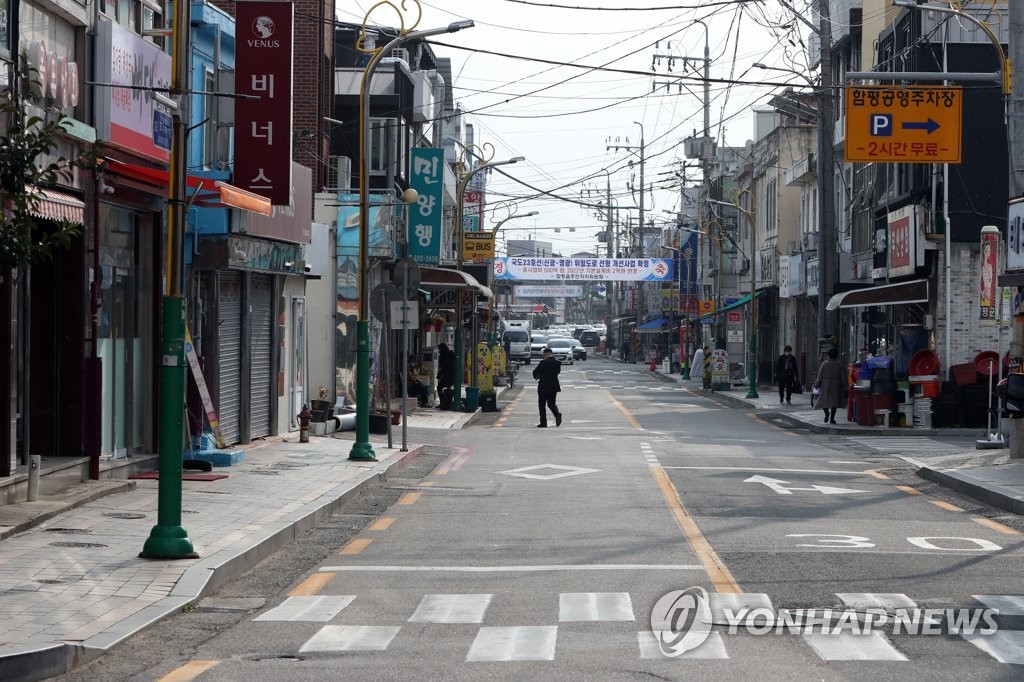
49,581
124,515
68,531
80,545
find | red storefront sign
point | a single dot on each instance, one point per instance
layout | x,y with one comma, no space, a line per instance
263,127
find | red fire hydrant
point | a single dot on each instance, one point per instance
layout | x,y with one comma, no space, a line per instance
304,425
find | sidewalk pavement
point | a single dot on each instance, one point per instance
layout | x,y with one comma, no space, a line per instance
74,587
989,476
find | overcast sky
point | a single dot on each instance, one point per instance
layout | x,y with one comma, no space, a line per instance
564,118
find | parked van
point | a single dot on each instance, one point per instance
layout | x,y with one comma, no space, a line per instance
517,333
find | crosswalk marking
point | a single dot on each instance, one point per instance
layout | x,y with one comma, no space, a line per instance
907,444
1007,605
1006,646
451,608
870,600
594,606
737,601
351,638
846,646
712,648
526,643
604,609
317,608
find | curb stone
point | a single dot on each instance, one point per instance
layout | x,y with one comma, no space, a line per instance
31,662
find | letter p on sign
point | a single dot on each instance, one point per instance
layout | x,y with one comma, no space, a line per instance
881,125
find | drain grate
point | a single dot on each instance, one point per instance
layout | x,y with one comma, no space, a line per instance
68,531
49,581
259,658
79,545
124,515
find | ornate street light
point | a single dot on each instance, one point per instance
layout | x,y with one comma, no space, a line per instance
361,448
457,404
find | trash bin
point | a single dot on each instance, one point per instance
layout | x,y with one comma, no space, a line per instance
865,407
472,398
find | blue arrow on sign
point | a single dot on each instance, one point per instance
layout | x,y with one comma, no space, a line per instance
929,125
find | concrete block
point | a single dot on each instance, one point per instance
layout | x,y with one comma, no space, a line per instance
219,458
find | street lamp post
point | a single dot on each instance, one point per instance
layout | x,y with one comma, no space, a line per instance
491,337
361,447
752,349
457,405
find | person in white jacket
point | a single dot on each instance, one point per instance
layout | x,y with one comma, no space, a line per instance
697,365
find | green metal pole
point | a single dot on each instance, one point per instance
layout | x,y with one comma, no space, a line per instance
168,539
752,369
361,448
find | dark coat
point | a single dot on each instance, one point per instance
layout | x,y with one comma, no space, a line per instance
445,368
830,381
546,374
785,367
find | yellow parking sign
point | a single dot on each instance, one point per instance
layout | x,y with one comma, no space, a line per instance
903,124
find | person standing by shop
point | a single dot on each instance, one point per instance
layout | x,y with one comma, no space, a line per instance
546,374
829,384
697,366
445,376
785,373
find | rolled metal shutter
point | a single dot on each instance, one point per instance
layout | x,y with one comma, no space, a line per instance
229,353
261,383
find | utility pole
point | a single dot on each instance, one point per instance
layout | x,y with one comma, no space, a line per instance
826,178
640,300
1015,133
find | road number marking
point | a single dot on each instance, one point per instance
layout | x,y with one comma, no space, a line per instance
924,542
850,541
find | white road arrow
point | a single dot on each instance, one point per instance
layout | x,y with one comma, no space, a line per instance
777,485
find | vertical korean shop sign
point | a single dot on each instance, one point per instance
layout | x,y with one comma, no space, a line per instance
263,126
989,269
427,178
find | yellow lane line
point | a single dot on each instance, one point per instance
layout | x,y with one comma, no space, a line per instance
584,375
908,490
995,525
189,671
721,578
383,523
356,546
622,408
946,505
311,585
880,476
410,498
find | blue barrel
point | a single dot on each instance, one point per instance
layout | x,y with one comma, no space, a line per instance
472,398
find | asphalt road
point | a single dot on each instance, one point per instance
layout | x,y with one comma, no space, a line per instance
541,553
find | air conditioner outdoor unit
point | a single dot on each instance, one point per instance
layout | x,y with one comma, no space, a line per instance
400,53
809,242
339,174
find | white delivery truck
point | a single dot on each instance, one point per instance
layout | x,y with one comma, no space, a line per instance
517,334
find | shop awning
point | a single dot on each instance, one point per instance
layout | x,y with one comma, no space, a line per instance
915,291
445,278
56,205
1011,279
732,306
206,191
658,324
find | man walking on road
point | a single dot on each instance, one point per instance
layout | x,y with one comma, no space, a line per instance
546,374
785,372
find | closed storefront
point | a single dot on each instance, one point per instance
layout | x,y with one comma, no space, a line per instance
261,334
229,353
